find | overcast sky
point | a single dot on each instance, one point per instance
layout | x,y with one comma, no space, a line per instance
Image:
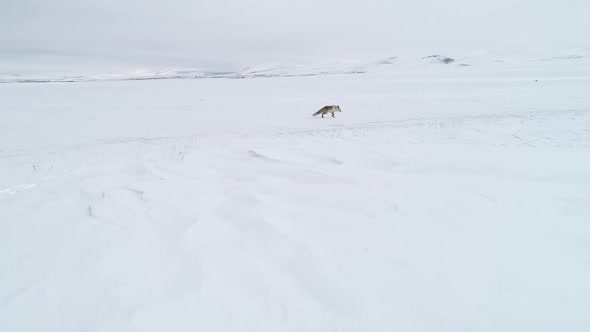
218,33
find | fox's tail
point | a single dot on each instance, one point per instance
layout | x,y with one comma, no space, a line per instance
318,112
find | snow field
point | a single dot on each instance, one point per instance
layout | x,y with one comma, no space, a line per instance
223,205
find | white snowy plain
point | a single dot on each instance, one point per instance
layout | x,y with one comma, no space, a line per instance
453,200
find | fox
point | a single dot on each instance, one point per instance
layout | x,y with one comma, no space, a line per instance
328,109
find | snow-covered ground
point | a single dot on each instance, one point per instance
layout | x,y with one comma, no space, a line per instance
442,198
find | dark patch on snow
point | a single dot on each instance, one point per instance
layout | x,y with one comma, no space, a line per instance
565,57
388,61
440,59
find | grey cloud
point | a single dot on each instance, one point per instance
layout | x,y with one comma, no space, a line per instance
224,32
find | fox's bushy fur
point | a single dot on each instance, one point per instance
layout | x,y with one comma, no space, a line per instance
328,109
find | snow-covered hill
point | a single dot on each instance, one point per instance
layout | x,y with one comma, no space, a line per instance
575,62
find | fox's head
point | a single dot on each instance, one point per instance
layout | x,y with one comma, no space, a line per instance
338,108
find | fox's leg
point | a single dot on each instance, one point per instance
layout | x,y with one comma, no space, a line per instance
322,115
333,115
